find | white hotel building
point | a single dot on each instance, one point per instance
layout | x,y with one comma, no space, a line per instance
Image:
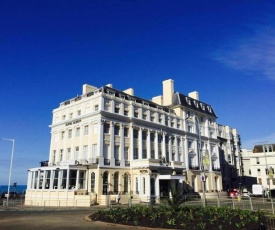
107,141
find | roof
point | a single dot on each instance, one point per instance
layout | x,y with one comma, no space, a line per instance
196,105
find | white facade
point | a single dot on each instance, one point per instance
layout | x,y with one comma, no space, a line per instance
107,141
262,165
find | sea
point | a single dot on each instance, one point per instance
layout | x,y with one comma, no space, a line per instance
18,188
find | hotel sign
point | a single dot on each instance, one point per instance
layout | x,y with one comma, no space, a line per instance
74,122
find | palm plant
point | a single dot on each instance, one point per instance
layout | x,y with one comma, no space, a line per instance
176,198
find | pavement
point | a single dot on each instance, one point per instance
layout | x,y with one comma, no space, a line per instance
55,220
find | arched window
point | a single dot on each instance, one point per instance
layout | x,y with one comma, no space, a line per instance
125,182
92,182
116,183
152,182
105,183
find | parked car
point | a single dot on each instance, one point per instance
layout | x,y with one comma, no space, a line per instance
233,193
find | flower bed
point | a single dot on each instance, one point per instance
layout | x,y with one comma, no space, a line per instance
184,217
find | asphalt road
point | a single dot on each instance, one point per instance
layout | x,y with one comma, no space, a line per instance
49,220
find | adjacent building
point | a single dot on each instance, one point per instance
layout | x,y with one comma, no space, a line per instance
107,142
260,164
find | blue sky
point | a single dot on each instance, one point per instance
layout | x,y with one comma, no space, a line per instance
49,49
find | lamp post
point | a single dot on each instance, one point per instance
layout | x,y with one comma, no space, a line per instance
200,160
12,151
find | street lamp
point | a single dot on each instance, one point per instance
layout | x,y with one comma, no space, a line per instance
200,159
12,140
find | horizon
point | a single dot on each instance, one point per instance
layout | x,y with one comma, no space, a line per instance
224,50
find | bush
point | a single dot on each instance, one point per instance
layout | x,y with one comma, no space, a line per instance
184,218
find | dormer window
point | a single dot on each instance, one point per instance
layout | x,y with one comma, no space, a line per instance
202,106
196,104
209,109
111,92
188,100
145,103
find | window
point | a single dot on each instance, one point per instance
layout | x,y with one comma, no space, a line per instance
117,130
116,153
55,178
72,179
259,172
126,178
268,181
126,153
94,150
106,151
70,133
54,156
61,154
260,180
144,135
249,172
107,106
116,183
68,153
85,152
144,153
135,133
92,182
126,132
63,178
77,132
152,117
136,113
79,112
143,185
152,137
190,128
106,128
137,186
96,107
144,115
63,117
257,160
126,112
270,148
62,135
135,153
117,108
86,130
82,179
152,154
71,115
47,179
76,156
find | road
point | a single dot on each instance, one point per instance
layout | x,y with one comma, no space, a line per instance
53,220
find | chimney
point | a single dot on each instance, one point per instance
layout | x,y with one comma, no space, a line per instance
168,91
194,95
87,88
129,91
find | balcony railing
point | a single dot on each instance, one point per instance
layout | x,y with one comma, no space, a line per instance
117,162
194,167
106,161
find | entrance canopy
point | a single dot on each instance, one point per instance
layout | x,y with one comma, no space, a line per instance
172,177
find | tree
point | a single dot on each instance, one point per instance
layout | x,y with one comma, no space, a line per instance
176,198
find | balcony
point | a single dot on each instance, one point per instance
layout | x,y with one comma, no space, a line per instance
106,161
147,162
194,167
217,169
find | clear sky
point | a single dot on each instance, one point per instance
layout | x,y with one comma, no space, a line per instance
49,49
